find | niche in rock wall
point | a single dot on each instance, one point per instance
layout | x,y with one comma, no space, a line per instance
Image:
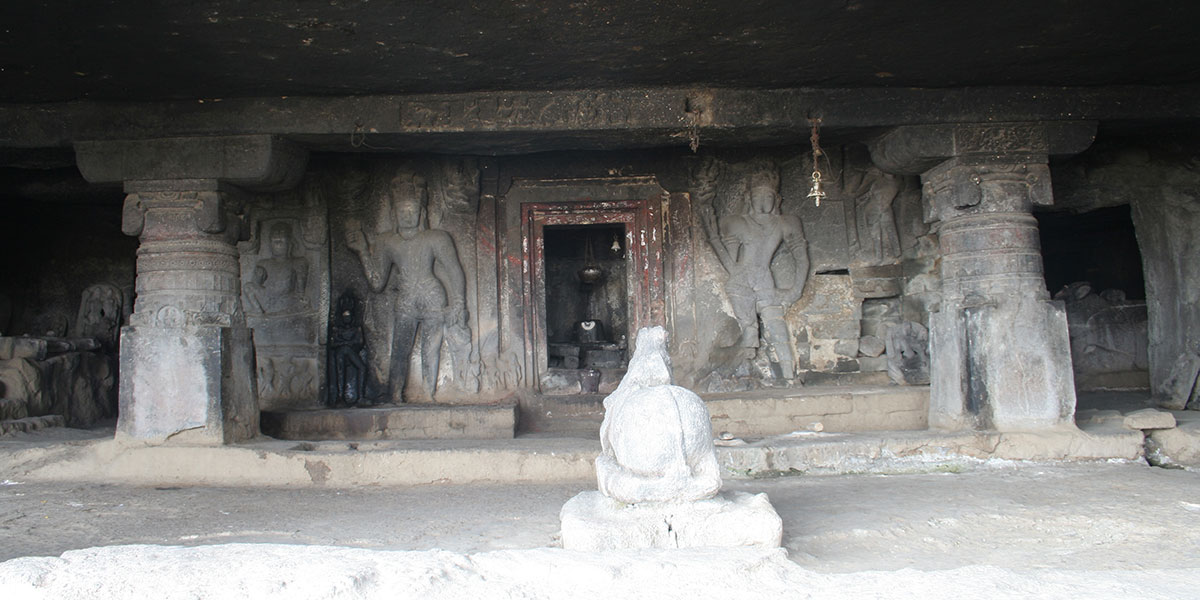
1093,265
587,313
1098,247
285,293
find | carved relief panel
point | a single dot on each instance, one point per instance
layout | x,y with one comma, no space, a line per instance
403,239
285,295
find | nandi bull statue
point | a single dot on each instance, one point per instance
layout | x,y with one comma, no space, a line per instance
657,471
656,439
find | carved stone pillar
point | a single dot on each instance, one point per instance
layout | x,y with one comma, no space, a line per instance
187,357
999,351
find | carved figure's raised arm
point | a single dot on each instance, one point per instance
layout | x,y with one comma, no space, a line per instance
706,194
377,275
712,232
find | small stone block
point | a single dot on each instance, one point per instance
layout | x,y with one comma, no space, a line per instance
1149,418
837,330
593,522
867,364
563,349
869,345
602,359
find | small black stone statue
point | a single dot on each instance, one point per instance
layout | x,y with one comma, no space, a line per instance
347,367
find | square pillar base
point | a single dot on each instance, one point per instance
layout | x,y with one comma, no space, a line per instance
1004,366
188,384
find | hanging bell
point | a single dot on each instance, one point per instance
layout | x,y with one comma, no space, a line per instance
816,192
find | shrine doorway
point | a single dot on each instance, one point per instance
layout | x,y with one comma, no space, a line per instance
579,320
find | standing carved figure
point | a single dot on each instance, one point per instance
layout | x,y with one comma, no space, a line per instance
426,276
873,194
347,369
746,245
100,314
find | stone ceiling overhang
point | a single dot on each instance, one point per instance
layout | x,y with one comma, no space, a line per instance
503,123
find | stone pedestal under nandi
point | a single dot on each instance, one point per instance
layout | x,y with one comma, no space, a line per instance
657,471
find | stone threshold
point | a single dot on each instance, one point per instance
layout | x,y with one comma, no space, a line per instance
538,458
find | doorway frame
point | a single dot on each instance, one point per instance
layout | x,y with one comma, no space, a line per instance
643,256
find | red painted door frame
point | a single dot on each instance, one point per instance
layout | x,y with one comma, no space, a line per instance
644,258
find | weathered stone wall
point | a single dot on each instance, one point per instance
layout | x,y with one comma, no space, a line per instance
1161,183
865,243
50,253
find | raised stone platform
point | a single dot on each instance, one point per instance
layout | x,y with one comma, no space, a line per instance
392,422
593,522
757,413
61,455
762,413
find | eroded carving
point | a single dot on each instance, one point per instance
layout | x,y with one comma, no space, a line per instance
873,191
573,110
420,268
908,353
280,280
765,255
285,297
1108,332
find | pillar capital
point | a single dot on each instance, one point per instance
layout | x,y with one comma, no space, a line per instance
184,208
915,149
254,162
975,168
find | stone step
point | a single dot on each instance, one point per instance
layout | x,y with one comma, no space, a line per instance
580,413
394,422
763,413
544,458
757,413
921,451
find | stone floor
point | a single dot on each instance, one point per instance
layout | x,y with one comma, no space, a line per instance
1000,528
895,514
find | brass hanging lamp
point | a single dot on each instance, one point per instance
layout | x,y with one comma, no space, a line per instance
816,192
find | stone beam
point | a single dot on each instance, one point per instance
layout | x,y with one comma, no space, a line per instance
528,121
